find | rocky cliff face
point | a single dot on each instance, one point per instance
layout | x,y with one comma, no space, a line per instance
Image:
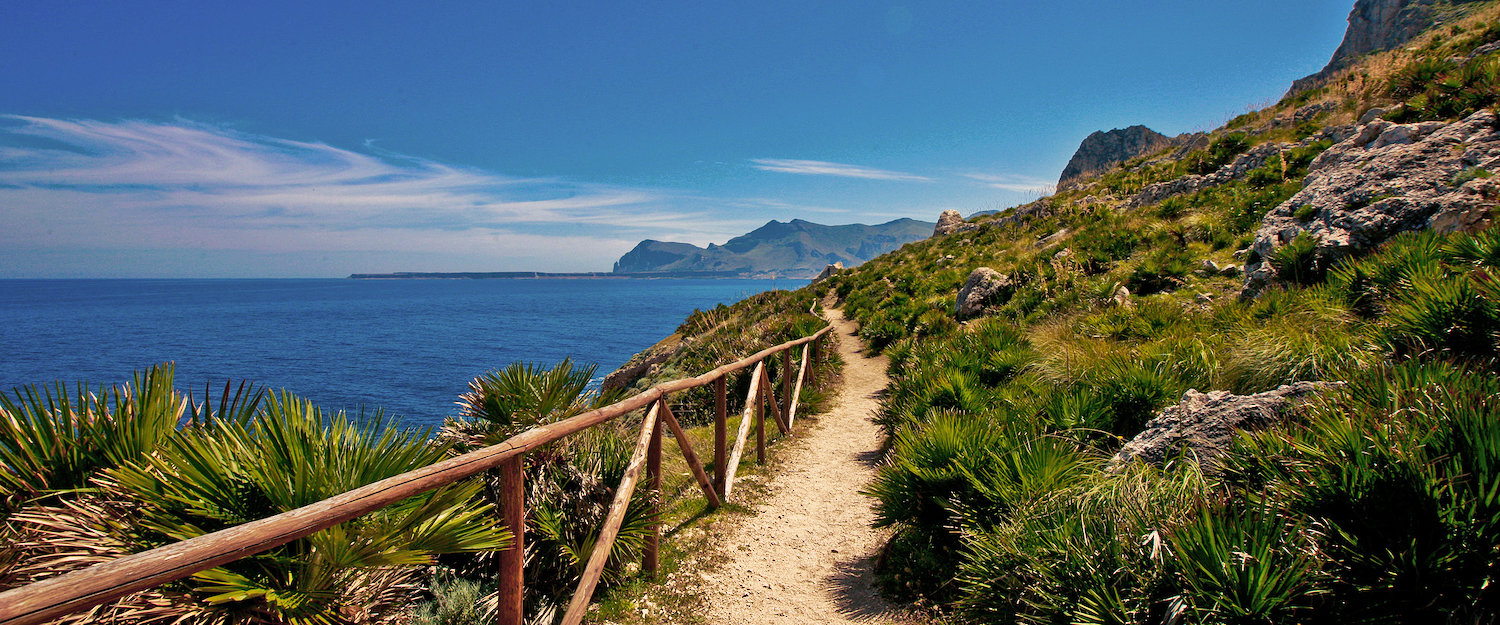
1101,150
1375,25
795,248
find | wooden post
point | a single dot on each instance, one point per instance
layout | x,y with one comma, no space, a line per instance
690,457
579,604
653,477
773,406
743,434
721,417
513,560
786,383
791,414
760,426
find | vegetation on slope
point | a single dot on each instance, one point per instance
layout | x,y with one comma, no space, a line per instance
1377,502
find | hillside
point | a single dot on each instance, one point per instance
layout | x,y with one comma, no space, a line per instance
1251,379
795,248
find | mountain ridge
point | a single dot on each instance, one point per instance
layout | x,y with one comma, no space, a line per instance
795,248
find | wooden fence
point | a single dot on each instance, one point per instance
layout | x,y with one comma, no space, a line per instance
55,597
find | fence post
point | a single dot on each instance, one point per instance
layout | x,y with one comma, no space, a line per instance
721,416
760,425
513,560
653,477
786,384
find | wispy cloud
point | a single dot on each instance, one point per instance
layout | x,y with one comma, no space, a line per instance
1012,182
824,168
88,184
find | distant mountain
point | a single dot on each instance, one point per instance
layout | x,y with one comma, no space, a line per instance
796,248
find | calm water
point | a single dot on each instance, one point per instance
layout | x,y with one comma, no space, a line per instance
408,346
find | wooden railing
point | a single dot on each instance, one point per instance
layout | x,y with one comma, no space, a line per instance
54,597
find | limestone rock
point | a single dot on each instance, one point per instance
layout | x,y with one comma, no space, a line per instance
1384,180
828,272
952,221
983,288
1101,150
1121,297
1203,425
1238,168
1052,239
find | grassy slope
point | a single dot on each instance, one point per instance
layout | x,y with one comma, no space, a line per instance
999,427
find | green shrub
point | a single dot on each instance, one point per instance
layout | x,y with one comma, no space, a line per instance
1468,174
1133,393
1298,261
1449,314
1244,566
455,601
1160,270
1401,470
1218,154
881,330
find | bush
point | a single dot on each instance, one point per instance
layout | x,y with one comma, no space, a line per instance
1297,261
1443,313
1244,566
1161,270
1218,154
1401,470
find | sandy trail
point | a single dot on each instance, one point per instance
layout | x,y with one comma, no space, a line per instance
807,554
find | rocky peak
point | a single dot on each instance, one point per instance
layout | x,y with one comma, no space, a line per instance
1102,149
1375,25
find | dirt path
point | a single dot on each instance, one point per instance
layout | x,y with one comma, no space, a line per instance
806,554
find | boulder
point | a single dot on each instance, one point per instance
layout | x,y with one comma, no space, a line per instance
1053,239
828,272
1203,425
1383,180
983,288
952,221
1121,297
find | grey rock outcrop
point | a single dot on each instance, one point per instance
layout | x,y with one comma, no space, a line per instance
1374,25
1203,425
952,221
1101,150
644,363
828,272
1241,166
983,288
1025,212
1386,179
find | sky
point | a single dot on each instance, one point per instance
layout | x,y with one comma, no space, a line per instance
316,139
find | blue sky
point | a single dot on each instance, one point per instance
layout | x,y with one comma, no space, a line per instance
282,139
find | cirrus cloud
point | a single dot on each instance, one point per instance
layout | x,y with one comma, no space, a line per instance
198,192
825,168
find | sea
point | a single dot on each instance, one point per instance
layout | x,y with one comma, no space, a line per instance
406,348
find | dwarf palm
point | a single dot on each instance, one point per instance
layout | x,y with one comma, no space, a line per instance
571,482
230,471
55,439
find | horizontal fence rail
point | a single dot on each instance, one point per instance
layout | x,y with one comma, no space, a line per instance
59,596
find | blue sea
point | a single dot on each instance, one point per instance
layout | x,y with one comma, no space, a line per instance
409,347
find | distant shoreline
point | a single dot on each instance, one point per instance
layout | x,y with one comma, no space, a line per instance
591,275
